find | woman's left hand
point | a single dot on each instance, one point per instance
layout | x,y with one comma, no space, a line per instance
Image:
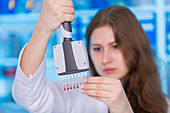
109,91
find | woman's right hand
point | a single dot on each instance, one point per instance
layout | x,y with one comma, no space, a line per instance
53,13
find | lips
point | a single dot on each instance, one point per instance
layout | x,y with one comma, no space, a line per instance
109,70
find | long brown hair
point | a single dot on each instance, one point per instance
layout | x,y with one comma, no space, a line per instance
142,82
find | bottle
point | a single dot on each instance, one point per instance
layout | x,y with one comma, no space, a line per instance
29,5
11,6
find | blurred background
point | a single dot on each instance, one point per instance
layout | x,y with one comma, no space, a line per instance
18,19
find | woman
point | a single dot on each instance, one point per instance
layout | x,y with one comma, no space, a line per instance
137,70
35,94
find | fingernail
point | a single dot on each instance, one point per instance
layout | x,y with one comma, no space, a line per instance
85,80
82,86
83,91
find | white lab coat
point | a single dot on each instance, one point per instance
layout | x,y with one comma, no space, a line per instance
37,95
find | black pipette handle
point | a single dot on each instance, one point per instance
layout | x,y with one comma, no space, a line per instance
66,30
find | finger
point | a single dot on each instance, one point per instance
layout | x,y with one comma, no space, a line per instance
67,17
66,3
104,87
68,10
102,80
97,93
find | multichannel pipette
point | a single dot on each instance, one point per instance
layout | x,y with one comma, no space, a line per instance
71,60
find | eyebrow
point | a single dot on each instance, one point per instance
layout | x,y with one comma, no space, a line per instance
95,44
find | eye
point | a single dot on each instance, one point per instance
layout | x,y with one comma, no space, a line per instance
115,46
97,49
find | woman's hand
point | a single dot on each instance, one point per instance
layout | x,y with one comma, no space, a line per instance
53,13
109,91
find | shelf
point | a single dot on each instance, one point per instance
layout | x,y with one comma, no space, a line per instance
19,18
23,18
142,8
167,8
9,62
13,61
11,107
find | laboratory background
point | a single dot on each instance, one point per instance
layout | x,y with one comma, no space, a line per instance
18,19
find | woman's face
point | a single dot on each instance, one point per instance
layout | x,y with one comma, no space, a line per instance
105,54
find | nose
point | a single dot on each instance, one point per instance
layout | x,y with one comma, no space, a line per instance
106,57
